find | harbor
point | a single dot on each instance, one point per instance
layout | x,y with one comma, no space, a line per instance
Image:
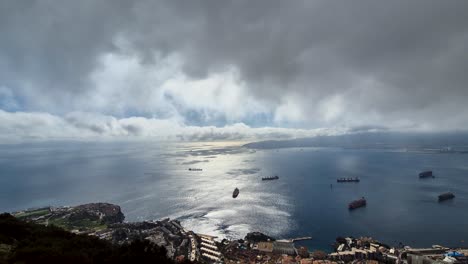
298,203
362,202
183,244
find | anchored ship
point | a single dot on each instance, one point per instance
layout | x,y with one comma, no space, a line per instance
426,174
446,196
357,203
235,193
348,179
270,178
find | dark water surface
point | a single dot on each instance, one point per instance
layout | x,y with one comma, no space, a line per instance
151,181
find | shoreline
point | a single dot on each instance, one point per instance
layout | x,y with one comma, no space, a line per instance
106,221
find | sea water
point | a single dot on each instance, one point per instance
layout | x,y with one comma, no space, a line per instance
151,180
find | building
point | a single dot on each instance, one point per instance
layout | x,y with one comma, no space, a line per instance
265,247
281,247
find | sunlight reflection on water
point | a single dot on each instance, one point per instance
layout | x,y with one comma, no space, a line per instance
152,181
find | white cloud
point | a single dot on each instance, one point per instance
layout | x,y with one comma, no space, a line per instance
318,65
290,111
220,93
125,84
23,126
122,83
331,108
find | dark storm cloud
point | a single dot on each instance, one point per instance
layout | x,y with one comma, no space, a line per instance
320,46
357,63
48,48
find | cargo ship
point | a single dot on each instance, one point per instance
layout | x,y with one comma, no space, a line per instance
446,196
348,179
235,193
357,203
270,178
426,174
194,169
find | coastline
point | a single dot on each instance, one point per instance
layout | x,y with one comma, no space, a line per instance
106,221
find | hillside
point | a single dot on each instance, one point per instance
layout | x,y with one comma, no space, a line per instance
23,242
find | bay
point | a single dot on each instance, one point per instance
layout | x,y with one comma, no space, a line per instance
151,180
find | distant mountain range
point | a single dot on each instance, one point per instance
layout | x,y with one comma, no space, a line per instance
437,141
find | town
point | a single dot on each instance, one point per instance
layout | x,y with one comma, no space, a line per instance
106,221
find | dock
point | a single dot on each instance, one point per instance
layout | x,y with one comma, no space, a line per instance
301,238
291,240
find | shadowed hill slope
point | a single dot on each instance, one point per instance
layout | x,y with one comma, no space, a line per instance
22,242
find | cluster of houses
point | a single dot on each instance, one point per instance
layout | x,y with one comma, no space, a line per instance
180,244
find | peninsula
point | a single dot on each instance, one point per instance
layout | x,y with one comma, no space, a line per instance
105,222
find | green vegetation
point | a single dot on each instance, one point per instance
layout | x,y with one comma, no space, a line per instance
82,224
4,251
33,213
22,242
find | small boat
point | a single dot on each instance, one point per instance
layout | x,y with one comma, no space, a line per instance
446,196
270,178
235,193
348,180
357,203
426,174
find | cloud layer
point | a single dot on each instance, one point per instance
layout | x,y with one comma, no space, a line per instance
301,64
35,126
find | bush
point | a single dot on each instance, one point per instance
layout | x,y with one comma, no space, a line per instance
32,243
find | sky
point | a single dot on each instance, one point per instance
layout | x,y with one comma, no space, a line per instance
230,70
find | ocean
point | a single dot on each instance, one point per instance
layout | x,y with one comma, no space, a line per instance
151,180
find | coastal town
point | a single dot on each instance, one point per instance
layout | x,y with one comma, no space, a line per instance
106,221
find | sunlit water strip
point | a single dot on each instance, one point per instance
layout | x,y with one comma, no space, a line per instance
152,181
